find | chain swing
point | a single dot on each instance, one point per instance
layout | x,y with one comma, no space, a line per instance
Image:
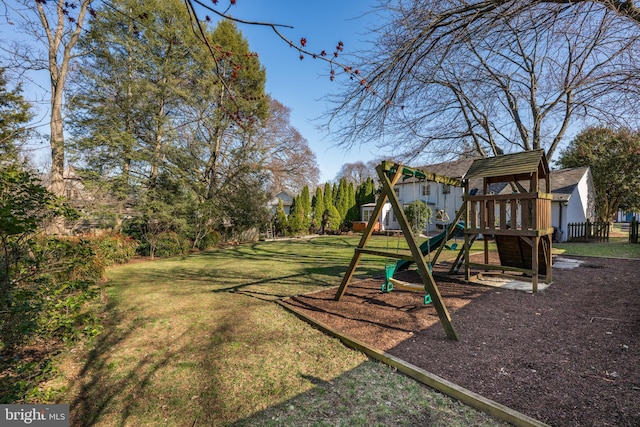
441,214
390,268
427,297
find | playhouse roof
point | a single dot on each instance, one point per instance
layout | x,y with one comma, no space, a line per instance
518,166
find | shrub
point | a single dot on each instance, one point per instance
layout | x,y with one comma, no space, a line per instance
49,305
46,285
418,214
165,244
210,240
114,248
171,244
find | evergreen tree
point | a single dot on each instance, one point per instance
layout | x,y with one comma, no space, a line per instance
614,158
353,211
14,115
305,202
127,89
418,214
328,205
296,214
327,196
366,192
281,223
318,209
332,220
151,100
341,198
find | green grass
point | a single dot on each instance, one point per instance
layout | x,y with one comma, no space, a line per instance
617,247
198,340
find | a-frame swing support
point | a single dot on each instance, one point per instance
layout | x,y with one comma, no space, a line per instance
389,175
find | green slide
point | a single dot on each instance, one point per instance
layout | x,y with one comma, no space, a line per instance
429,246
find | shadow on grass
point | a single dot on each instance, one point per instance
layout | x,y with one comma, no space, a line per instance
106,393
224,269
369,394
97,387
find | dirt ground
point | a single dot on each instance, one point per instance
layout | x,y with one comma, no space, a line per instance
567,356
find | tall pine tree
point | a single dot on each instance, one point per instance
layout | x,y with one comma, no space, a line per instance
318,209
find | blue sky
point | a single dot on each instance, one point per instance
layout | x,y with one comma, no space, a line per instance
301,84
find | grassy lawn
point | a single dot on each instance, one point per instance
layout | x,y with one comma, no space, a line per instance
617,247
197,340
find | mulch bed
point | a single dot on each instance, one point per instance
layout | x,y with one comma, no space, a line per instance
567,356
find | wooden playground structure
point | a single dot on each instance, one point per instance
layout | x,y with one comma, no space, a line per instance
520,223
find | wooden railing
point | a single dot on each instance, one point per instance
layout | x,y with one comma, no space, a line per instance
510,214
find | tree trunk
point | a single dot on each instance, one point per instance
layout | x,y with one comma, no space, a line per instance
56,142
59,54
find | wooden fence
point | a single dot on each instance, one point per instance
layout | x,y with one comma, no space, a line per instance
589,231
633,231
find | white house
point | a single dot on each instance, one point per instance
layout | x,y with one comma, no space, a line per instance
572,190
573,199
444,200
627,216
287,200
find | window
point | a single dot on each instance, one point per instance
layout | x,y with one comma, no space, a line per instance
426,190
367,215
446,189
397,191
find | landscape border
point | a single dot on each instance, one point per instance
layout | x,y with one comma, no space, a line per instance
455,391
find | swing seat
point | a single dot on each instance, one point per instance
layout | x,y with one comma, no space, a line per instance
452,247
389,270
413,287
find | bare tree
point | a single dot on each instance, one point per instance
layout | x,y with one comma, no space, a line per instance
357,172
290,162
497,76
57,26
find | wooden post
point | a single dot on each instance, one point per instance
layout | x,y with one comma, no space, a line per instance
425,274
467,225
366,234
534,263
549,258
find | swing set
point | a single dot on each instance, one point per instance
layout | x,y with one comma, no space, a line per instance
519,222
390,174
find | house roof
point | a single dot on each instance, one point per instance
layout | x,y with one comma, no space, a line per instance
512,166
286,198
564,181
454,169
